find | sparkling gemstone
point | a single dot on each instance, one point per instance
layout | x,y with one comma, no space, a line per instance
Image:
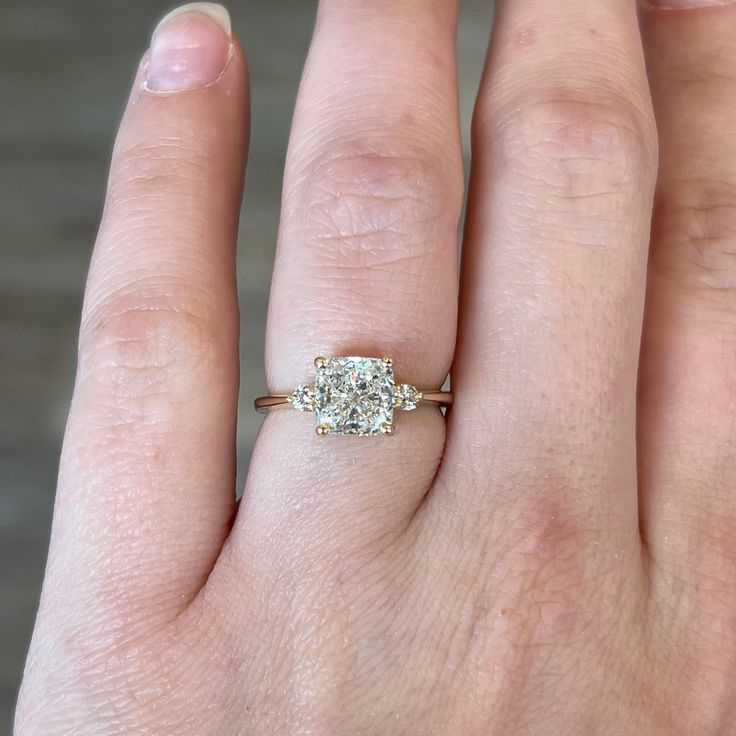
355,396
304,398
407,397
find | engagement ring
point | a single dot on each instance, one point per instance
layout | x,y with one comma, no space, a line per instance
355,396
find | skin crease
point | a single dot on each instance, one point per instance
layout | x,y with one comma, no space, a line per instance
557,557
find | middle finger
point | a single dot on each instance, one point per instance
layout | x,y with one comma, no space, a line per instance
564,162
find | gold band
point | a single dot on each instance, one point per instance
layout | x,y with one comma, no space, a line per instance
265,403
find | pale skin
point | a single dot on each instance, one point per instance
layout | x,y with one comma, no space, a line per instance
558,556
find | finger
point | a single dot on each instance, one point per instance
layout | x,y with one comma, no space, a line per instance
146,485
553,273
688,386
366,265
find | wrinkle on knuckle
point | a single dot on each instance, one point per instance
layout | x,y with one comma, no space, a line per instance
698,224
543,565
136,346
544,568
371,211
143,168
545,588
578,147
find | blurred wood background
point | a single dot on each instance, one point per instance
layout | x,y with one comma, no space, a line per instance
65,67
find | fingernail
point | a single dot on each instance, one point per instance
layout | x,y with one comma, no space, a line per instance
190,48
684,4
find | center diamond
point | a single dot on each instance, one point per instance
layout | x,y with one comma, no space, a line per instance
355,396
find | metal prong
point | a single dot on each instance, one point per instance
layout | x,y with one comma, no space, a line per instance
387,428
320,363
388,361
322,430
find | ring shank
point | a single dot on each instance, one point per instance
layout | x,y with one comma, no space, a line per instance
264,403
443,398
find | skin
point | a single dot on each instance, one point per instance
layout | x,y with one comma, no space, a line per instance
558,556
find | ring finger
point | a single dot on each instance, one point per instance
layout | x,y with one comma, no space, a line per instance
366,265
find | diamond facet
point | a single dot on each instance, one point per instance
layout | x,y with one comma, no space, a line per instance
407,397
304,398
355,396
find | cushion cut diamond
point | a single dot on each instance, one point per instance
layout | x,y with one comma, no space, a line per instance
355,396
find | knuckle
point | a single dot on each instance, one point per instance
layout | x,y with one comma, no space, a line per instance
550,566
133,345
551,588
577,145
697,225
369,210
144,168
373,220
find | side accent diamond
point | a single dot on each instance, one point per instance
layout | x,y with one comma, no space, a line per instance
407,397
304,398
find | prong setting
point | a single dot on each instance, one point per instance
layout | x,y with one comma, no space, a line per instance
322,430
320,363
354,395
387,428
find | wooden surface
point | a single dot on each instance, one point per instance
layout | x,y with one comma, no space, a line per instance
65,66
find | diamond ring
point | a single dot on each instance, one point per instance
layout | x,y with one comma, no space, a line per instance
355,396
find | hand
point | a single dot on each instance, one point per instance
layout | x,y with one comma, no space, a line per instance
558,556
